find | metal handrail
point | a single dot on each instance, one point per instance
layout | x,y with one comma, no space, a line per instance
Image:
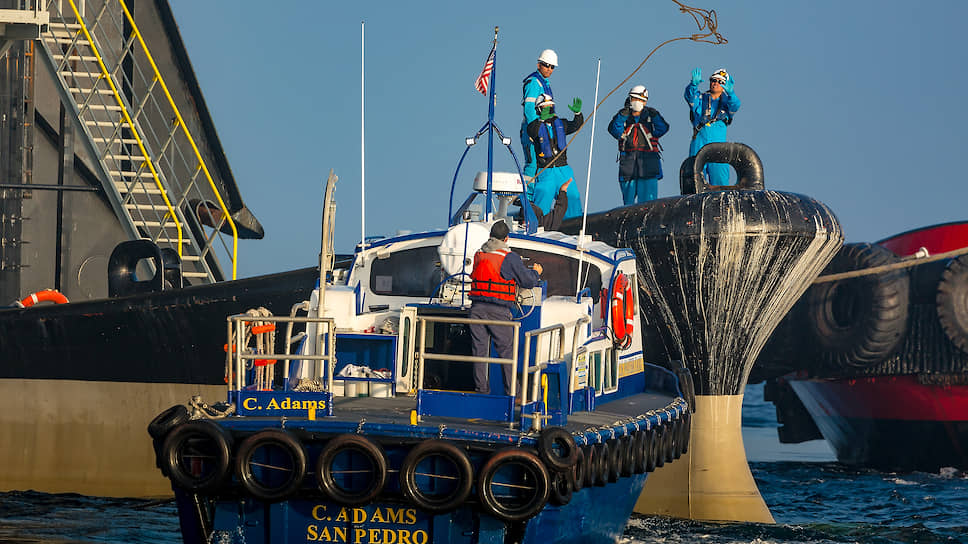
106,74
539,367
422,355
184,127
237,356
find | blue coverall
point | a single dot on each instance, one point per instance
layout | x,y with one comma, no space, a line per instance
711,125
534,85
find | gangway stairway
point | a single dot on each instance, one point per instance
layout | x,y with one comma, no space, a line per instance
135,138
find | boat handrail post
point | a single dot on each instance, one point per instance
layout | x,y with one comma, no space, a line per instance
574,353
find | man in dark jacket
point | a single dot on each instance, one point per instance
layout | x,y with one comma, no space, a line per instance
497,273
638,129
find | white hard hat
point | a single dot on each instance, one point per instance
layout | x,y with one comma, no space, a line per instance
640,92
543,101
721,74
548,56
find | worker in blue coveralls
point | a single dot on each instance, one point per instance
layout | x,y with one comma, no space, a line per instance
711,112
638,129
547,134
497,273
535,85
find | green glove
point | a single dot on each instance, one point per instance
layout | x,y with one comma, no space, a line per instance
545,114
575,105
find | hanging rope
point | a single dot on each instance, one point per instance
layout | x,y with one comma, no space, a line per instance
707,32
907,263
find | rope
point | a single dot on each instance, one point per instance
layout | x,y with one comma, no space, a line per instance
708,32
907,263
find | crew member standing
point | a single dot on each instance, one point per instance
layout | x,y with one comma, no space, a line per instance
711,112
638,128
497,272
534,86
547,134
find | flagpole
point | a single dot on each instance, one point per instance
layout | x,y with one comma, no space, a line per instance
362,139
588,181
490,132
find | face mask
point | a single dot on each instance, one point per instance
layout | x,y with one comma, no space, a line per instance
637,106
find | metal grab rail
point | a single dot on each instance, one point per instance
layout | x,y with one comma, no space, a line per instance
106,75
422,355
181,123
538,368
237,357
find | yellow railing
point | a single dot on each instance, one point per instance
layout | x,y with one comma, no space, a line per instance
105,74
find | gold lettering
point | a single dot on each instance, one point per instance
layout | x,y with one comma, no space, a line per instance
273,405
411,516
285,404
389,536
340,533
420,537
404,536
245,404
377,517
360,534
311,533
326,536
374,536
395,515
342,515
359,515
318,512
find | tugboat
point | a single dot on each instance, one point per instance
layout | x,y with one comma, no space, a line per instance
367,428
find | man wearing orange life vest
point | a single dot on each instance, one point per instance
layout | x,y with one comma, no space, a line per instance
497,272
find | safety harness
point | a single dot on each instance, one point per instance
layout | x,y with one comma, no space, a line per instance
722,114
638,140
545,87
545,138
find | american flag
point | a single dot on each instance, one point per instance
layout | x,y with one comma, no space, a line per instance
484,79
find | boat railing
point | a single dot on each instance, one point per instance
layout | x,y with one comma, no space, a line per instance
431,402
555,336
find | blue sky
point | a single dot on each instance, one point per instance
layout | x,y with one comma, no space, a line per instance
852,103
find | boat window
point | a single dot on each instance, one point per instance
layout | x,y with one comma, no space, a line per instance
610,376
560,272
408,273
595,371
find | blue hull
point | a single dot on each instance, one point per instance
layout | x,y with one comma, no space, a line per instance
594,514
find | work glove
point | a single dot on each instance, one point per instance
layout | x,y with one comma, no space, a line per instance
728,86
575,105
696,76
545,114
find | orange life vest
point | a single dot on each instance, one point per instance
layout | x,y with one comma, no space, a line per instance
487,280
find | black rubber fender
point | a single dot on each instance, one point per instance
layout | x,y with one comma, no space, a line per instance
672,440
615,458
363,448
561,489
652,455
603,454
858,322
168,420
252,464
627,458
686,432
557,448
640,451
660,442
592,464
489,491
580,470
197,455
952,302
447,453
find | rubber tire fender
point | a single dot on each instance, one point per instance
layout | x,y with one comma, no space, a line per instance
561,489
592,465
189,435
952,302
603,452
580,470
278,438
615,458
651,456
640,451
168,420
672,440
627,456
858,322
449,452
557,448
324,469
659,444
532,464
686,432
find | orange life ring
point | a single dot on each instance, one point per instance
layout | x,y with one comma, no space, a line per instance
47,295
623,311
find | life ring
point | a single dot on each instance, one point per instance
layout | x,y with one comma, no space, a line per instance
351,470
561,489
197,455
858,322
516,494
557,448
47,295
952,302
271,465
623,311
437,476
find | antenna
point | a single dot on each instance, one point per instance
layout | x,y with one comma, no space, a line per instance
362,137
588,180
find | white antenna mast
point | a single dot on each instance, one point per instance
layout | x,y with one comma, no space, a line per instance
588,180
362,137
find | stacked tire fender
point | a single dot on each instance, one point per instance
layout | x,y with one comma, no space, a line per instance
438,476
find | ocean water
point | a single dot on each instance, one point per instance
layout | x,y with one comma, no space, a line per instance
812,498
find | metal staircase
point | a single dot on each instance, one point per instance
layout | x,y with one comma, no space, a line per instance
134,136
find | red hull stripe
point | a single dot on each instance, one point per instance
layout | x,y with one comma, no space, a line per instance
885,397
936,239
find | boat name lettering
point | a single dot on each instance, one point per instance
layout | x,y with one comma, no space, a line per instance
369,535
287,403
